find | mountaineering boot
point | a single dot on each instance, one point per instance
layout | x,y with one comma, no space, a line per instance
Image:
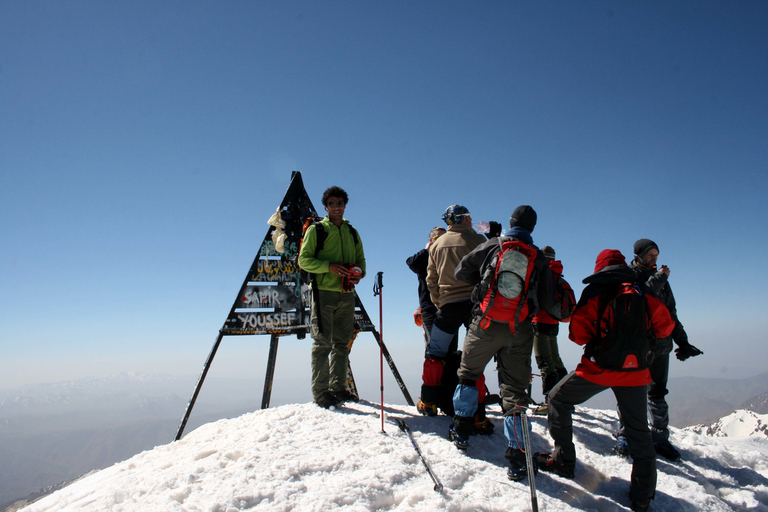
427,408
462,443
638,504
460,431
518,467
326,400
549,464
516,473
669,452
345,396
621,448
484,427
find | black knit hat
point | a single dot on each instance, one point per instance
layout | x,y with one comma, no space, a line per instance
548,252
525,217
644,245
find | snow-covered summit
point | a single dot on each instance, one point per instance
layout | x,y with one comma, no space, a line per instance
304,458
741,423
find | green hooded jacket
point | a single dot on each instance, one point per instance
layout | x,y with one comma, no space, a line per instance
339,246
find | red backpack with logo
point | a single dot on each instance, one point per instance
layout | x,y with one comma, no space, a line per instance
510,273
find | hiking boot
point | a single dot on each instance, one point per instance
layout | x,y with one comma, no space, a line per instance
669,452
517,473
427,408
326,400
483,427
459,442
551,465
518,465
621,448
638,504
345,396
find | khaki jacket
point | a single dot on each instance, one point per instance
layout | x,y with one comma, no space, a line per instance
444,256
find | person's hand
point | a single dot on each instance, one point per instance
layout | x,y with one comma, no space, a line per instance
340,269
664,270
687,350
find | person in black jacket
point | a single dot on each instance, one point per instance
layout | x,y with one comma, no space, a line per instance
418,264
644,265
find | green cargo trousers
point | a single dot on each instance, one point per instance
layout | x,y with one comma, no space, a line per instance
513,358
330,355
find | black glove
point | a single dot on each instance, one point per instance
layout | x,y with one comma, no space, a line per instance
683,352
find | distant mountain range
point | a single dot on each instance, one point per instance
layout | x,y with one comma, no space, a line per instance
51,433
758,404
697,401
740,423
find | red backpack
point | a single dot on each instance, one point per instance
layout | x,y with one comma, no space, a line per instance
506,298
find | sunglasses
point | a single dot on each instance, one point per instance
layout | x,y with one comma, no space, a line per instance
335,203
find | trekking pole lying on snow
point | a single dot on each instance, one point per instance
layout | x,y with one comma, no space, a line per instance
529,462
405,428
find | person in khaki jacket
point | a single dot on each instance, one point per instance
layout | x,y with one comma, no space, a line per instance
454,307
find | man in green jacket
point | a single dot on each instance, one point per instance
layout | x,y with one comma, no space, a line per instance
338,265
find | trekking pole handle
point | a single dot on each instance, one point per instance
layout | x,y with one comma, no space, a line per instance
378,284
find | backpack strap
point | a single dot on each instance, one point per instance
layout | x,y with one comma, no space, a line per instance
321,234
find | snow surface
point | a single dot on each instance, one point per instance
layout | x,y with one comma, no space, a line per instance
741,423
300,457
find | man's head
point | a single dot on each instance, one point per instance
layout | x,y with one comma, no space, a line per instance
549,252
646,252
457,214
523,217
336,193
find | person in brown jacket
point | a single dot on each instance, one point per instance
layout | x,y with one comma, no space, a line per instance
454,307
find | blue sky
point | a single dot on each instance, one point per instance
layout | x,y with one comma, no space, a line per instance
145,145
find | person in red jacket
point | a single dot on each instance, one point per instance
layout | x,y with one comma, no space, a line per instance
589,323
545,331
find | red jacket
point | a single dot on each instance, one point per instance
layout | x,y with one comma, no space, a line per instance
541,316
583,329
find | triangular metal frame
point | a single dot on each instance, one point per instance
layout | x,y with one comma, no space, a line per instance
272,299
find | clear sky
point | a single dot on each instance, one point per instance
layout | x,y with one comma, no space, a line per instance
144,145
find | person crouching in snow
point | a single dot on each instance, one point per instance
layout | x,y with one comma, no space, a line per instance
614,314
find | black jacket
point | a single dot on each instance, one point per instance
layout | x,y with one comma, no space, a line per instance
659,285
418,264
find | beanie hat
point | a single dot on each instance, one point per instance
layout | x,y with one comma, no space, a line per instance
548,252
525,217
644,245
607,258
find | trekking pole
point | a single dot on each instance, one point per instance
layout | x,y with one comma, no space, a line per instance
404,427
529,462
377,286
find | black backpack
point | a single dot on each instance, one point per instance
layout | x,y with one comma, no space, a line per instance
624,341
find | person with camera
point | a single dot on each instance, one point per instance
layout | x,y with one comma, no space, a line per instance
644,265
